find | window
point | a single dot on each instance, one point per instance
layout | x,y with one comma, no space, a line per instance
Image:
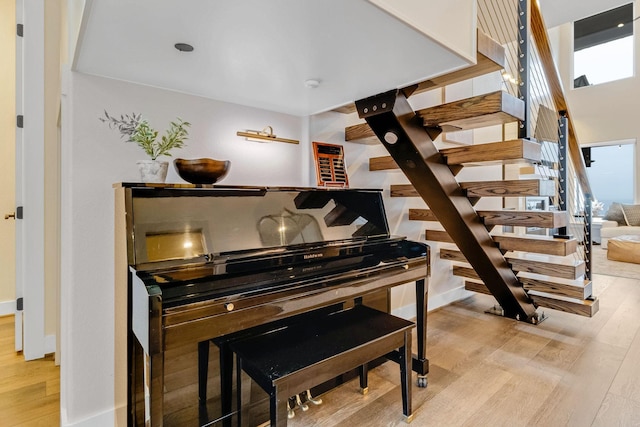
603,47
611,174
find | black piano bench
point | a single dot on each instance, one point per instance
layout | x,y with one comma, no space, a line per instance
290,360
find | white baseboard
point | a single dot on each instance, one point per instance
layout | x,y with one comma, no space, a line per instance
104,419
7,308
434,301
446,298
49,344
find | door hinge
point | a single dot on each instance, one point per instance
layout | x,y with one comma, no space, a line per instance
20,30
20,121
19,304
19,212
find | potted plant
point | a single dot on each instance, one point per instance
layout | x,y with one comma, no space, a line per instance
136,129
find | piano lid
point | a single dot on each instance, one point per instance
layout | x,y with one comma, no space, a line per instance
174,225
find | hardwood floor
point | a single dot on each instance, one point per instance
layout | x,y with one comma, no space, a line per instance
485,370
29,391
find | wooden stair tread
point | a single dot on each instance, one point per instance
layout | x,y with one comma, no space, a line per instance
489,109
513,151
526,262
550,265
452,255
479,287
570,288
359,131
586,307
438,236
403,190
513,188
529,218
467,272
533,243
510,188
518,242
490,57
382,163
422,215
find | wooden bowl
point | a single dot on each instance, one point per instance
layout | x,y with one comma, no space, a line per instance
201,171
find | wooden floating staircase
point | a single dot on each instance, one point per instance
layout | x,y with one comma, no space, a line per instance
521,271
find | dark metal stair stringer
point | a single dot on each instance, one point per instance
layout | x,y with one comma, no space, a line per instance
411,145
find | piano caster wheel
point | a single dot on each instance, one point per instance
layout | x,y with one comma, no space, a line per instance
317,401
302,406
290,412
422,381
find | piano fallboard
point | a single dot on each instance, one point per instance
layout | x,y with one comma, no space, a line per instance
211,308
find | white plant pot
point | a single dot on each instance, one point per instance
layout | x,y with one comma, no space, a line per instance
153,170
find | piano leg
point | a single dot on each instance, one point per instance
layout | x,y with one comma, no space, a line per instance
363,371
420,362
203,371
226,381
153,385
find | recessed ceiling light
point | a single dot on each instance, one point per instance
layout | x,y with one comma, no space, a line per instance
184,47
312,83
620,25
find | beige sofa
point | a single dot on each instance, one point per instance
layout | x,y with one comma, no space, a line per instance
613,229
620,220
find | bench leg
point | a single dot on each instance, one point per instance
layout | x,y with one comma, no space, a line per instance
278,409
239,389
226,379
405,376
363,371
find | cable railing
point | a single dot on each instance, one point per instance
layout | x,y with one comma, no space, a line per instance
530,74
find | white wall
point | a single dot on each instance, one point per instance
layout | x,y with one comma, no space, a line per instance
604,112
93,159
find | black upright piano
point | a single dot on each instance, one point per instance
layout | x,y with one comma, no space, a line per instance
209,261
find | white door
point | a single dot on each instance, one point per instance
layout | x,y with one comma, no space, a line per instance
7,158
18,183
30,179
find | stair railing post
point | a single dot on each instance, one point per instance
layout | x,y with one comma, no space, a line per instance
563,191
587,236
523,65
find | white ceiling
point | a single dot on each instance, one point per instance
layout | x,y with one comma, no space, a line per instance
557,12
257,52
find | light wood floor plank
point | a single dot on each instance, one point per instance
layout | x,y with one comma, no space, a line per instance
627,380
29,391
617,411
577,398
